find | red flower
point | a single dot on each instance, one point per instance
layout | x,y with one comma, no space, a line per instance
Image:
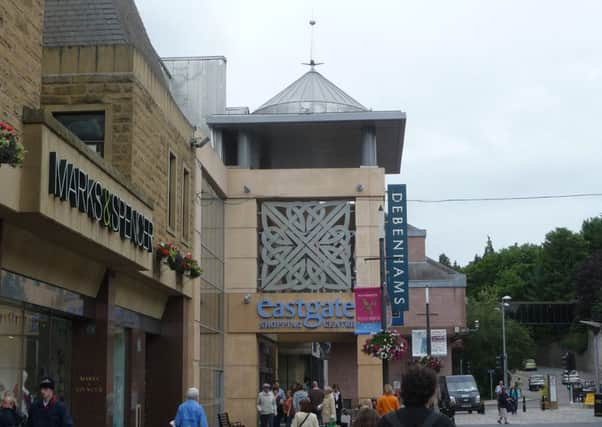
9,128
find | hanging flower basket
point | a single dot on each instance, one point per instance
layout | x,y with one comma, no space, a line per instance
431,362
192,267
171,255
386,345
12,152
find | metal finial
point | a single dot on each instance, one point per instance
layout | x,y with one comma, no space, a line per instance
312,63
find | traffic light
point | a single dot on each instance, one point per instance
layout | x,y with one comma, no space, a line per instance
572,362
568,361
468,367
499,362
565,361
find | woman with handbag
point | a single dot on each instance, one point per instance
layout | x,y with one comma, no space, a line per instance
305,417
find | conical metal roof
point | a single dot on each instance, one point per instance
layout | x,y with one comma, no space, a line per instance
311,93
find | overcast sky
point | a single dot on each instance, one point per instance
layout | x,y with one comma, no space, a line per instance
503,98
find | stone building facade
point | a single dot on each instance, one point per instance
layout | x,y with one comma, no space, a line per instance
21,60
89,302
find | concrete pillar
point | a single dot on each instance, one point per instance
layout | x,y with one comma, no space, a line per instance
369,146
218,143
244,150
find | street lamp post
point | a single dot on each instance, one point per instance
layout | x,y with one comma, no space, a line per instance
428,320
505,302
383,284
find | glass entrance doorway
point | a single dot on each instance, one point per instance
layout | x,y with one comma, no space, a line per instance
34,345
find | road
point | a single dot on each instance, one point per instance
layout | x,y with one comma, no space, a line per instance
566,414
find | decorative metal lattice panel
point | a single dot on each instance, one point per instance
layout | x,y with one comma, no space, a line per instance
306,246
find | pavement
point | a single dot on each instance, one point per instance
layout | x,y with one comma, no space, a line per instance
566,414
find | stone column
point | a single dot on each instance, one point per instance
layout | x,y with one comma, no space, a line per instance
244,150
369,146
369,369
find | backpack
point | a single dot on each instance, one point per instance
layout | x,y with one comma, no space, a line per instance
394,420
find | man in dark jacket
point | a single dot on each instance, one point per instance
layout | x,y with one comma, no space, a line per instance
48,411
418,389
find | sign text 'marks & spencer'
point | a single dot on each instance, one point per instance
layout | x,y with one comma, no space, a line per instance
91,197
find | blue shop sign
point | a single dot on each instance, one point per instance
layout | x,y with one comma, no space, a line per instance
310,315
396,234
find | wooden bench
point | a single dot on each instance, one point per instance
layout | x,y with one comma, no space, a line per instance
224,421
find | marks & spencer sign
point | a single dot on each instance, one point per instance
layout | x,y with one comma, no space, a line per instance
300,314
91,197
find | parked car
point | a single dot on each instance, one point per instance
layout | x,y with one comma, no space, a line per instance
536,382
463,389
529,365
570,377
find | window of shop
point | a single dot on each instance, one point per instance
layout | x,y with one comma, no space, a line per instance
34,345
89,126
212,302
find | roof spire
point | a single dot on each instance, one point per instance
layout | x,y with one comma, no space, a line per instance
312,63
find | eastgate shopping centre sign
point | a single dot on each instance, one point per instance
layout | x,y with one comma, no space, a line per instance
91,197
309,315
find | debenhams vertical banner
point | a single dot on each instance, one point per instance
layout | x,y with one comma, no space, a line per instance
396,234
70,183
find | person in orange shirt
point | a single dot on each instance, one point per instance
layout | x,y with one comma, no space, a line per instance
388,402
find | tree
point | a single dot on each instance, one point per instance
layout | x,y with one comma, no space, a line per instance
481,347
488,247
562,254
591,230
511,271
588,283
444,259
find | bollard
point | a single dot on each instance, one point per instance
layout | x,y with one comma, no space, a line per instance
524,404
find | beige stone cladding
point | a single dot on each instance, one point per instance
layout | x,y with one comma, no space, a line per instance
144,124
20,57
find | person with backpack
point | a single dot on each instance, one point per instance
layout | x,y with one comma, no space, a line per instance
305,416
418,393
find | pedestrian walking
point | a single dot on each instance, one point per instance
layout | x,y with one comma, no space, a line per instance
515,394
48,411
502,406
266,406
190,413
305,417
418,392
366,417
287,408
9,414
299,394
498,388
338,401
316,397
387,402
280,396
329,409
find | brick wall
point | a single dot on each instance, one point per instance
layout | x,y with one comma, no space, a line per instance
20,57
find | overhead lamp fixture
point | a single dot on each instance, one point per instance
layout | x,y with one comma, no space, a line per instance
246,189
360,188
